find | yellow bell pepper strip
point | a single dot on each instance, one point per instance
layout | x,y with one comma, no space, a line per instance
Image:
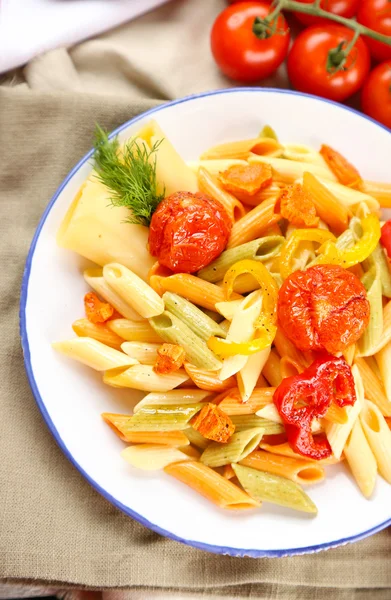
266,282
226,348
331,255
290,246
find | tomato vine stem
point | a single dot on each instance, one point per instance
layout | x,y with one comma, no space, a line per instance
315,10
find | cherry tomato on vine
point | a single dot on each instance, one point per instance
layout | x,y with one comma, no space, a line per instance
238,51
343,8
376,94
319,64
376,14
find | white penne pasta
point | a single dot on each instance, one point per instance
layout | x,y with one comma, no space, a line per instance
349,196
143,377
134,331
383,360
249,374
386,334
133,290
270,413
92,228
291,170
214,166
98,331
241,330
153,457
378,435
94,278
337,433
172,173
94,354
227,309
303,153
174,397
361,460
146,354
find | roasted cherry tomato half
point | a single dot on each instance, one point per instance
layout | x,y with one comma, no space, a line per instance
376,14
239,53
385,238
376,94
188,231
343,8
323,308
313,60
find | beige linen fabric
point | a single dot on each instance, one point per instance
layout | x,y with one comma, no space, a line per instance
53,525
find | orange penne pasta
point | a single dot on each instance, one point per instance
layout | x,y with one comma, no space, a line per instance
285,347
254,223
349,354
118,424
329,209
134,331
190,451
289,367
379,190
301,471
284,449
336,414
100,332
272,370
232,403
373,387
241,149
193,288
208,380
210,186
228,472
210,484
158,269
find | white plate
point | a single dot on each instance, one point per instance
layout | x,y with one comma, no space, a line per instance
71,397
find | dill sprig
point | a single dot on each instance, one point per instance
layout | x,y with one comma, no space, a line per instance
130,174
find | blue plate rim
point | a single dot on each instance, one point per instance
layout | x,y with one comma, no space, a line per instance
225,550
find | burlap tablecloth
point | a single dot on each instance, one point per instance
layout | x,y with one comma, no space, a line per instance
53,526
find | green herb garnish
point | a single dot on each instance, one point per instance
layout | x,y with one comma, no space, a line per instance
130,175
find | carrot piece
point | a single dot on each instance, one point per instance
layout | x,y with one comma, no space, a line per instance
96,310
170,358
245,181
295,204
213,423
344,171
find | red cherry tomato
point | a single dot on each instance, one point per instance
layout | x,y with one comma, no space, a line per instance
188,231
239,53
386,237
343,8
376,14
376,94
323,308
308,60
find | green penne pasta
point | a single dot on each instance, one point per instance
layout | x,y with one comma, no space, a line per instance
273,488
193,317
345,240
374,330
196,438
243,422
215,316
278,279
161,418
378,260
238,447
173,330
261,249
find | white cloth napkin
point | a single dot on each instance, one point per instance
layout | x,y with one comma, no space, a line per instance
29,28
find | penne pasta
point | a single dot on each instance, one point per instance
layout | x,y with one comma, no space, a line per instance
286,348
241,148
133,290
227,309
202,293
383,359
152,457
285,450
300,471
196,439
261,250
143,377
331,210
378,435
168,438
303,153
336,414
210,186
232,404
157,419
97,331
372,334
94,278
174,331
291,170
373,387
272,488
237,448
361,460
243,422
94,354
202,325
379,190
254,224
380,263
349,197
249,374
172,397
208,380
214,166
210,484
228,472
386,334
134,331
289,367
271,370
145,354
